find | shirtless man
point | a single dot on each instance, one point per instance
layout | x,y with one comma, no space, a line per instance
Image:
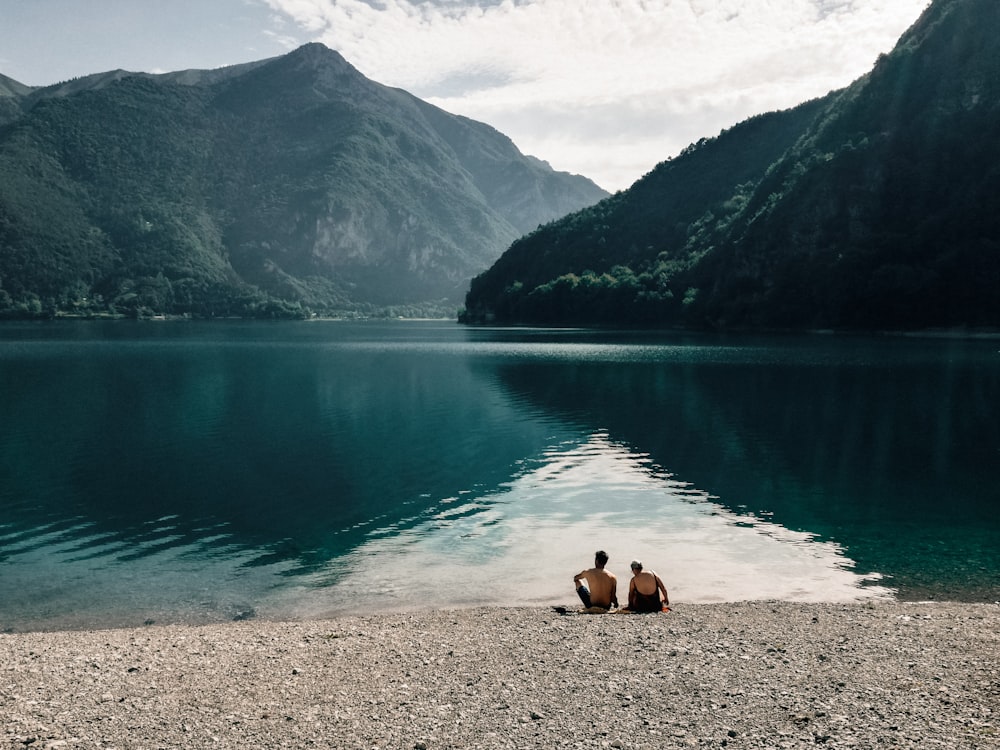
644,591
603,586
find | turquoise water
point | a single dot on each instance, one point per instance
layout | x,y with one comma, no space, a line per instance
196,472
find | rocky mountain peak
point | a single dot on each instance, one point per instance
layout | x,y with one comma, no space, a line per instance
330,71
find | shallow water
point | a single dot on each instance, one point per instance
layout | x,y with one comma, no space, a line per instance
176,471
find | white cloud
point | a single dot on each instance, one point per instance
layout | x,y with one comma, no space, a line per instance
286,41
609,88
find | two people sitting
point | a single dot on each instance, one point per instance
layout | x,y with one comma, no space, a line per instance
598,588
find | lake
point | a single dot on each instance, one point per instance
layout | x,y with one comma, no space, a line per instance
178,471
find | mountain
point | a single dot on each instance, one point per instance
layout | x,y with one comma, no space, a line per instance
10,87
279,187
11,93
871,208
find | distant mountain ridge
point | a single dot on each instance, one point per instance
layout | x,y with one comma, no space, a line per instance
10,87
874,207
287,186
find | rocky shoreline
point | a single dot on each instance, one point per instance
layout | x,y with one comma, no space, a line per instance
734,675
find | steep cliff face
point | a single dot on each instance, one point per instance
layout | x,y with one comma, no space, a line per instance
273,185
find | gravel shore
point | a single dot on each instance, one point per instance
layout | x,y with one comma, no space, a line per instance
736,675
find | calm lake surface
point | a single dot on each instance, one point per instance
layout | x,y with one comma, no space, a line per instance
198,472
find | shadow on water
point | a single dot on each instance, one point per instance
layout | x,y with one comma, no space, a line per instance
888,446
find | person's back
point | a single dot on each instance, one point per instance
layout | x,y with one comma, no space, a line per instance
644,590
603,586
645,582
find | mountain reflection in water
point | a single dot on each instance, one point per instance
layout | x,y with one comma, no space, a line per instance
199,472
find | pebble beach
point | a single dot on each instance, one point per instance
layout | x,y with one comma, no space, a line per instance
733,675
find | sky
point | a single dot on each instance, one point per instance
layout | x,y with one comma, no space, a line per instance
603,88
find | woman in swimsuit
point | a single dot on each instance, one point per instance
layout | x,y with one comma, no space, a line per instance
644,591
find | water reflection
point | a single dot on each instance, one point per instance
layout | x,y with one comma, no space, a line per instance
887,446
522,545
279,446
225,460
203,472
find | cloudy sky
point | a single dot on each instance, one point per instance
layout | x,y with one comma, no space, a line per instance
604,88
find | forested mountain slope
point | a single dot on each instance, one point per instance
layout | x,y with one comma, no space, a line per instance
874,207
280,187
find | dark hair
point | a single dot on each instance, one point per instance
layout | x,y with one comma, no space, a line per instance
601,557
